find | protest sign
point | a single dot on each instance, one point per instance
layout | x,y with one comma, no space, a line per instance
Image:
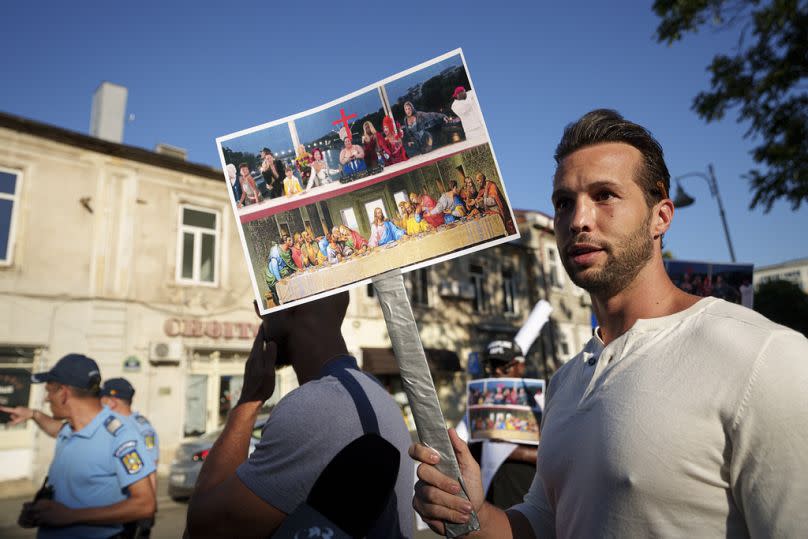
397,175
507,409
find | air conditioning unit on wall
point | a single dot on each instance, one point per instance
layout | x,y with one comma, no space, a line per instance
165,352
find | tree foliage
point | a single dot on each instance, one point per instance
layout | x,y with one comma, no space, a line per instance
783,302
765,80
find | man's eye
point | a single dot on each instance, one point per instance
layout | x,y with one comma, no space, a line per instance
561,204
604,195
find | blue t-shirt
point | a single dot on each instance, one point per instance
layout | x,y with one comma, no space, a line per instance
313,423
93,467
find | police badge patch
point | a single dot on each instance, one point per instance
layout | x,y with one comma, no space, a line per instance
113,425
129,457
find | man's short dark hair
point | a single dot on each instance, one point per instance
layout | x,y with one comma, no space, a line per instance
85,393
452,184
243,165
605,125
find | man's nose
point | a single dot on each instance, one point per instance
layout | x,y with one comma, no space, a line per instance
583,216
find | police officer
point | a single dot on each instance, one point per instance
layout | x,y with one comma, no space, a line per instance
117,394
100,468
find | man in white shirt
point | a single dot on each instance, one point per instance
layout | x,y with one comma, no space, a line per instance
466,108
682,416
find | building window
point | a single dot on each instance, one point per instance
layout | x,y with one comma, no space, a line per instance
478,282
508,292
563,344
555,271
16,365
419,287
9,192
370,291
198,246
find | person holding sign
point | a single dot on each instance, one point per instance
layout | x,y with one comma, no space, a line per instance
682,416
335,404
511,480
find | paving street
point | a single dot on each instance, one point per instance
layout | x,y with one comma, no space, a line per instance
170,518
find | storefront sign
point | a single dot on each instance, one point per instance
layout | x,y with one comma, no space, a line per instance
214,329
15,387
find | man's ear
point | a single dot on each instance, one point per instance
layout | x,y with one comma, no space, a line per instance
661,220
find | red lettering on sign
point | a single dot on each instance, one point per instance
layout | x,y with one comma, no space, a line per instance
213,330
243,330
172,327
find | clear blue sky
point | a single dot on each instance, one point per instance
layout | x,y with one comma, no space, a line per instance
198,70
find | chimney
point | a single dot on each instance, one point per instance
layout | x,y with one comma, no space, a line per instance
173,151
109,108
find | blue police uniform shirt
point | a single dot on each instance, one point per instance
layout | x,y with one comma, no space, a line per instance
150,438
93,467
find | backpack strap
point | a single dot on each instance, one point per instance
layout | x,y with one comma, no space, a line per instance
339,368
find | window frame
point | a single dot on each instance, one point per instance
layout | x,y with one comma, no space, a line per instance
15,202
555,269
509,288
20,437
416,275
480,302
182,228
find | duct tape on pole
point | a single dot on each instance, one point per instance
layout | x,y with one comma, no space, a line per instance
417,382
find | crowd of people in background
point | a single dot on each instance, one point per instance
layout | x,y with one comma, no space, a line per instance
393,143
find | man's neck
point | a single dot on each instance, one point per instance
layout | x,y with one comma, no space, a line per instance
123,410
650,295
82,412
316,353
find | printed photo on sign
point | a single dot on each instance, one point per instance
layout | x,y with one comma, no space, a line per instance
731,282
399,174
506,409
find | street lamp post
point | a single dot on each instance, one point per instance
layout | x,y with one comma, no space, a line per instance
682,199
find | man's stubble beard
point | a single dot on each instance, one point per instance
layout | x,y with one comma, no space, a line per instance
633,253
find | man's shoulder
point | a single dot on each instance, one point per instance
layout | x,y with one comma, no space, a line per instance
311,394
730,316
116,427
140,419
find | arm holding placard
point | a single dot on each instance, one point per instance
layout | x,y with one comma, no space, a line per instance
420,390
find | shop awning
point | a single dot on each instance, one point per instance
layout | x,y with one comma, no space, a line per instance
381,361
